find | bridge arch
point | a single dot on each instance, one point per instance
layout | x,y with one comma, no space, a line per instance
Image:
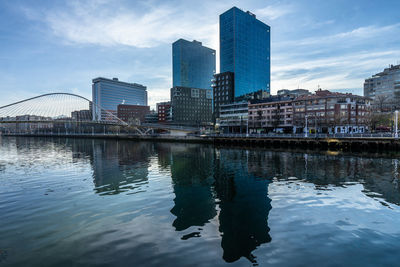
55,107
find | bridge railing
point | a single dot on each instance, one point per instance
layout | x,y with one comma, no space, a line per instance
110,130
302,135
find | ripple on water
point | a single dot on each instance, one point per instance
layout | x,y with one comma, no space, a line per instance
68,202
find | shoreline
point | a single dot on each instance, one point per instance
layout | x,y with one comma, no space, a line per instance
323,143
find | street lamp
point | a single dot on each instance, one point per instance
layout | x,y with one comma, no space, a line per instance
396,113
247,126
306,133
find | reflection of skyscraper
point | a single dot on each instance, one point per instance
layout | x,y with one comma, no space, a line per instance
192,178
244,206
119,166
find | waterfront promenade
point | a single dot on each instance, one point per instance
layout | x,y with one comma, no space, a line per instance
380,141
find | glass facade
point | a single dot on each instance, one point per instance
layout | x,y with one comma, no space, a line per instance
193,65
245,50
108,94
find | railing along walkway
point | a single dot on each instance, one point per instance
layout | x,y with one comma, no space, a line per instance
312,136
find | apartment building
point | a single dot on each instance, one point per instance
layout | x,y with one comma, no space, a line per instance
274,114
330,112
384,89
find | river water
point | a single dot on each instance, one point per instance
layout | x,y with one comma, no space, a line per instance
73,202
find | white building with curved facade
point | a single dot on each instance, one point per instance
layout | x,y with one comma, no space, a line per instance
109,93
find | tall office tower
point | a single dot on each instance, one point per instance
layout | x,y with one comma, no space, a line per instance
193,65
108,94
384,88
245,50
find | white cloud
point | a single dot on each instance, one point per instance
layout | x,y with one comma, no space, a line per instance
100,24
371,32
273,12
329,60
336,61
331,72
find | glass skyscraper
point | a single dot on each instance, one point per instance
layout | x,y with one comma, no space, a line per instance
108,94
193,65
245,50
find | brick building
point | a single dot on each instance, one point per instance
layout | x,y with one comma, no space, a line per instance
271,114
132,114
330,112
164,111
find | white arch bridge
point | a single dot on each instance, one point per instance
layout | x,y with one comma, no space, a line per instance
66,113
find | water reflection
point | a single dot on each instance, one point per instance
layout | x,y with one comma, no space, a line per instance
192,180
378,175
120,167
206,180
244,205
229,188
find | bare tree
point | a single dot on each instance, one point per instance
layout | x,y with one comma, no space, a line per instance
374,120
381,101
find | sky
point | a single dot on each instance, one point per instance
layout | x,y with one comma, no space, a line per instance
60,46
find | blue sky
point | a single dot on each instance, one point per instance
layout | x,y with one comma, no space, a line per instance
56,46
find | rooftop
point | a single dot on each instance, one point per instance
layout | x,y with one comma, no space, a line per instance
326,94
270,100
116,81
386,71
194,42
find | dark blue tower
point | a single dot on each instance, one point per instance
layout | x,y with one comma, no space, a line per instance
193,65
245,49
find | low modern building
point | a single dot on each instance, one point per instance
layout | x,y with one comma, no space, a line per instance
329,112
164,111
132,114
191,106
39,123
81,115
384,89
151,117
109,93
233,117
274,114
